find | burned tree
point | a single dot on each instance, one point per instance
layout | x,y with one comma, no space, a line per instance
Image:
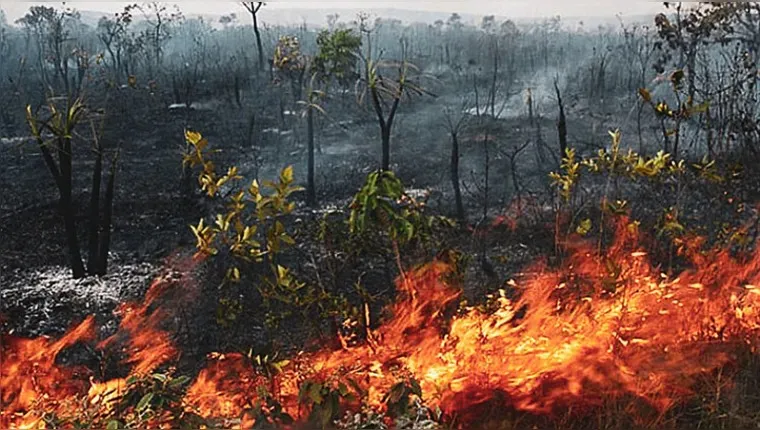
113,34
455,122
561,122
335,60
159,19
385,93
54,136
51,31
253,8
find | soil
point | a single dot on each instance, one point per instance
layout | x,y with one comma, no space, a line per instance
151,217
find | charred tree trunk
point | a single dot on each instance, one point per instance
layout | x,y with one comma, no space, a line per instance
513,171
455,175
530,106
486,174
386,126
494,79
238,102
61,173
259,46
386,143
638,128
561,123
253,9
311,194
477,97
67,209
601,83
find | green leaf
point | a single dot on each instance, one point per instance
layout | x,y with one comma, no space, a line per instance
178,382
416,388
584,227
342,389
113,425
315,393
286,176
144,402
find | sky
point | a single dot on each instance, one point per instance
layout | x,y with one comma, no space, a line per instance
512,8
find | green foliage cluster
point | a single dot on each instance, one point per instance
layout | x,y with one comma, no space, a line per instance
141,402
383,204
337,55
156,401
613,162
618,163
671,117
251,229
613,165
288,56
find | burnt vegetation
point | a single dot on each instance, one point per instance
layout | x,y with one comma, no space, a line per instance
370,224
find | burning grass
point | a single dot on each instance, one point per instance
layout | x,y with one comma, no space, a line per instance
564,342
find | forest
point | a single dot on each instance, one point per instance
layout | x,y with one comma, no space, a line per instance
222,222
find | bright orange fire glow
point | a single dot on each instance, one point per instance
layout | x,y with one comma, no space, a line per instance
598,329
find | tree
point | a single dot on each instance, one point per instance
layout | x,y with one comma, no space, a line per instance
5,43
693,32
50,28
113,33
638,47
228,20
335,60
54,137
561,122
332,20
689,30
454,27
385,93
337,55
253,9
159,20
455,120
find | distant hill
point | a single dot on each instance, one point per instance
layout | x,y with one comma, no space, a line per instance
317,17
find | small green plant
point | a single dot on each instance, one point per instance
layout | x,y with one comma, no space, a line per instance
252,231
383,206
567,180
615,165
400,399
146,401
267,412
382,203
672,117
324,400
151,397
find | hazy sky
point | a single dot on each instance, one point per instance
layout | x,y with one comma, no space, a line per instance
512,8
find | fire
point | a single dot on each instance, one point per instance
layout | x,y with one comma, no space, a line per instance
595,330
30,379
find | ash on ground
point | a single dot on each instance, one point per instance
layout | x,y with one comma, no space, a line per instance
47,300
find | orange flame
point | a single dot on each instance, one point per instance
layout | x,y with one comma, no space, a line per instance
29,377
598,329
